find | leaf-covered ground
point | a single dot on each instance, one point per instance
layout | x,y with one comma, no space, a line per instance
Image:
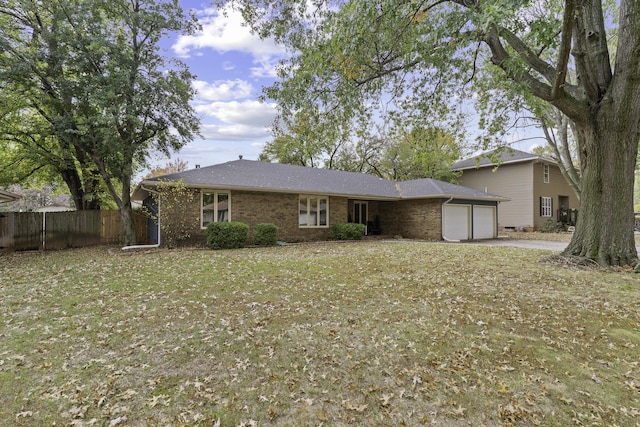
336,334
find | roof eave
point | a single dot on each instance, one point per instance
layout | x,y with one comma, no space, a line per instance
140,188
460,197
529,159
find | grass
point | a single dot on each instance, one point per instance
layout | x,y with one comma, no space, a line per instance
367,333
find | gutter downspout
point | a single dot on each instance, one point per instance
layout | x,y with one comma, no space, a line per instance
442,213
157,245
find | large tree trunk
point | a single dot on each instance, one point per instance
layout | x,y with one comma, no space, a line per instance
128,224
83,196
126,212
604,232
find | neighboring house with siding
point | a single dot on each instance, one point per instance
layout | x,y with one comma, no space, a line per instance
305,202
535,185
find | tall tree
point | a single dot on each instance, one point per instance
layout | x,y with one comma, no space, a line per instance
36,106
98,78
422,153
303,139
424,54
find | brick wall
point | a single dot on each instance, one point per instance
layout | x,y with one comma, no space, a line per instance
281,209
412,219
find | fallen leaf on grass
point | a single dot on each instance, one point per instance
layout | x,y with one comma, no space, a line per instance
384,400
354,407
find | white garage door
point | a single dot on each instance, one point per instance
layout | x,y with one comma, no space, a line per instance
484,222
455,222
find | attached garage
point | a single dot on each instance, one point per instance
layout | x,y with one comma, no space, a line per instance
455,222
469,220
484,222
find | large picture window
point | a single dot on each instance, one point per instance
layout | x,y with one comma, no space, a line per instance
313,211
215,207
546,206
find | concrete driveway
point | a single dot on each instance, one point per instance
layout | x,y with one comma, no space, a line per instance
529,244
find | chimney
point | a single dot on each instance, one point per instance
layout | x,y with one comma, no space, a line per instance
197,166
240,156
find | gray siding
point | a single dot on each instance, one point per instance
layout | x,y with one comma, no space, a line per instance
514,181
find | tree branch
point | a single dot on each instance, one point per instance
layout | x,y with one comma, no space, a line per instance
584,67
565,48
529,55
570,106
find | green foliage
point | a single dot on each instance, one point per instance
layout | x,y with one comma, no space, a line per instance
115,97
227,235
265,234
552,226
422,153
411,61
176,216
348,231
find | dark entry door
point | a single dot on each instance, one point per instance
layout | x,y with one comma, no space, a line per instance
360,213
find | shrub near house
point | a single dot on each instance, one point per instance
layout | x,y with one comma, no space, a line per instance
227,235
265,234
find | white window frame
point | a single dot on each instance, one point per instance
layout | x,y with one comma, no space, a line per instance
546,207
215,205
546,172
308,199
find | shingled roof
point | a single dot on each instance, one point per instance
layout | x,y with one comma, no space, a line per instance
275,177
507,155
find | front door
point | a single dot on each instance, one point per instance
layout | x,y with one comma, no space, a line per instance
360,213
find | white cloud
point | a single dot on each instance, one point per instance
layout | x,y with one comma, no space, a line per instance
266,67
232,132
223,33
222,90
249,113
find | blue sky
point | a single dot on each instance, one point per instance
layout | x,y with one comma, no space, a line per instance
232,67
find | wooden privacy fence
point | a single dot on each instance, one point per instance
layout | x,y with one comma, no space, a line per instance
58,230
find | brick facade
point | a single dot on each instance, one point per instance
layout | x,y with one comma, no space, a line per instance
412,219
281,209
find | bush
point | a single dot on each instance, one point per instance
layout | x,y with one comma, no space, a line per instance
551,226
265,234
349,231
176,218
227,235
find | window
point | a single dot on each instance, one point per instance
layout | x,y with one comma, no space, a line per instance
546,206
545,173
313,211
216,207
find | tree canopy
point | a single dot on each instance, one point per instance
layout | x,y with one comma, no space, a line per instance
416,59
93,72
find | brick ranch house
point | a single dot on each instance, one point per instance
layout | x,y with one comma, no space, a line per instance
305,202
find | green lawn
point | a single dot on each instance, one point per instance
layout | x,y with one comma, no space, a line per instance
366,333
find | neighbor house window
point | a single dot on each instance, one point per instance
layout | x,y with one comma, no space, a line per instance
215,207
313,211
545,173
546,206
